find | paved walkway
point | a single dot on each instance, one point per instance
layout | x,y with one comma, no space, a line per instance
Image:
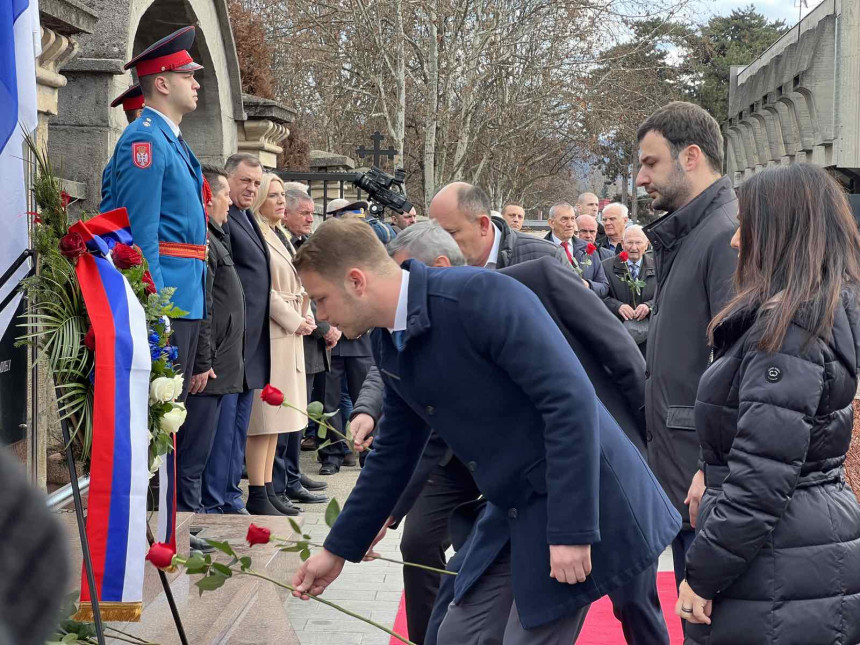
372,589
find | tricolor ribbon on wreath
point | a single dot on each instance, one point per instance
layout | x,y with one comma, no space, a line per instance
119,472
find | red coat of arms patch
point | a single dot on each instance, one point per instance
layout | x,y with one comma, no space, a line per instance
141,154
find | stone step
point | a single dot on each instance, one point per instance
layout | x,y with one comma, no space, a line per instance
245,611
151,584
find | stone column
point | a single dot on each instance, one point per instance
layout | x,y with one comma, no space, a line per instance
60,20
265,129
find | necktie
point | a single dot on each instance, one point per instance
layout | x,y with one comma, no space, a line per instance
634,271
399,339
566,247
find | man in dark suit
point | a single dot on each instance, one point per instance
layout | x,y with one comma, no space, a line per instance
221,492
565,487
587,226
622,300
613,365
615,219
215,375
563,230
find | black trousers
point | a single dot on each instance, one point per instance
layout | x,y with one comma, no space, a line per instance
354,369
426,538
193,446
184,338
285,470
635,605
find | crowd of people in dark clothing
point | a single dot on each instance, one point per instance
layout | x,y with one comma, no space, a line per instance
558,410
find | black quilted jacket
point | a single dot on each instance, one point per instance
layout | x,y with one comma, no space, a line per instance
778,541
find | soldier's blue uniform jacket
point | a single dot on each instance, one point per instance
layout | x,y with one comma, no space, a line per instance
158,180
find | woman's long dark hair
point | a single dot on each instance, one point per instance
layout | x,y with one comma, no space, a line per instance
800,247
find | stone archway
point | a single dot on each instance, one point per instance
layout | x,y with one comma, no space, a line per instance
210,130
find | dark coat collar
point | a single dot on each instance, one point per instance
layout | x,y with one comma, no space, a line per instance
417,316
667,230
646,268
507,243
844,341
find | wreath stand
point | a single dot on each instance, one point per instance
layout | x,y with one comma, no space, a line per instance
30,254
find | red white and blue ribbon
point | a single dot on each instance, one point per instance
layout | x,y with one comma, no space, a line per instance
166,532
119,473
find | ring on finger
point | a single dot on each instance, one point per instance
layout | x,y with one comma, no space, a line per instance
686,610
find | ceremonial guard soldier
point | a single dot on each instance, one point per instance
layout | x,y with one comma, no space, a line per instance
156,177
132,102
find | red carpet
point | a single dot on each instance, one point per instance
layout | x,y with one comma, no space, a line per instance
601,628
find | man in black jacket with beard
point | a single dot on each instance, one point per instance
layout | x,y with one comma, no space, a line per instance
681,152
616,369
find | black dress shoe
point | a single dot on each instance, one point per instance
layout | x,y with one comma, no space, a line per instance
199,544
329,469
312,484
236,511
283,504
349,459
303,496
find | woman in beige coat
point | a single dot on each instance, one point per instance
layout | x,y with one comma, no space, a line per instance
289,321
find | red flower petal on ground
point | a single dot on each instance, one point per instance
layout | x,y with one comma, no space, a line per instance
258,535
623,256
590,248
161,555
272,396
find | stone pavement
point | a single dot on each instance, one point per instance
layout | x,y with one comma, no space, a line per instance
371,589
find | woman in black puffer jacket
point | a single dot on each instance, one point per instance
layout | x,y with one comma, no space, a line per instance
776,558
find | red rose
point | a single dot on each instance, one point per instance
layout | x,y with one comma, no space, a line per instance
590,248
90,340
272,396
161,555
72,246
65,199
148,283
126,257
258,535
623,256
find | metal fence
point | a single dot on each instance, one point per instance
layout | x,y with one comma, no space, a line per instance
325,186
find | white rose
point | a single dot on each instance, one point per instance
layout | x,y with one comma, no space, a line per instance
163,389
173,420
156,464
178,380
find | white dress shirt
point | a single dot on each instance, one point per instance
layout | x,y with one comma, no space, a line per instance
402,303
494,252
173,126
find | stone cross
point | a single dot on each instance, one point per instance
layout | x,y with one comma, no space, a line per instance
377,153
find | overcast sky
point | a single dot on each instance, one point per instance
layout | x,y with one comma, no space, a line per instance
774,9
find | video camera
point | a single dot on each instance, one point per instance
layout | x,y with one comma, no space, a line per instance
378,186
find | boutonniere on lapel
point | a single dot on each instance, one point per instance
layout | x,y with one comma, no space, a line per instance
635,285
581,265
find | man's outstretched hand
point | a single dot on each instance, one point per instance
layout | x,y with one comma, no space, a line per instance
317,573
570,563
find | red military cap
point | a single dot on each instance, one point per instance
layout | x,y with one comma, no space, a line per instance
170,54
131,99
